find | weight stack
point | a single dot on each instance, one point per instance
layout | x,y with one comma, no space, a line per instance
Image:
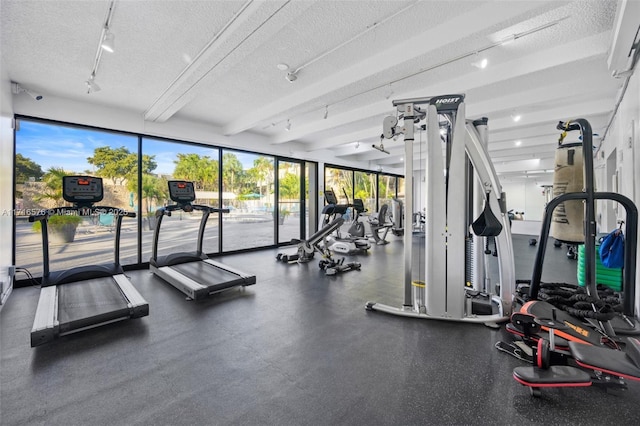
567,220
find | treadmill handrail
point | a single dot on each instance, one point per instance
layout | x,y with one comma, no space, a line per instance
44,215
187,207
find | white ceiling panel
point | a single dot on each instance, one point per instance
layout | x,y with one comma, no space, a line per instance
216,62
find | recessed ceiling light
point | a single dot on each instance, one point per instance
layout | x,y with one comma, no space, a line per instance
516,117
518,143
282,66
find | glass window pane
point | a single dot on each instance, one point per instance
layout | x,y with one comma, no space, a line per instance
339,180
365,189
179,232
248,180
45,153
386,189
289,190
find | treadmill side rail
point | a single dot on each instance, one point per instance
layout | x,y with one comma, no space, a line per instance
138,305
248,278
45,325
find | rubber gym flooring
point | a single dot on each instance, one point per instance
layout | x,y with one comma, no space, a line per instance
297,348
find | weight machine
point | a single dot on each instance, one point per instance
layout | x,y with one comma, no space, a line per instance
458,147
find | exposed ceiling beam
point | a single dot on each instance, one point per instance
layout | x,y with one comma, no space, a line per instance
579,50
254,22
478,19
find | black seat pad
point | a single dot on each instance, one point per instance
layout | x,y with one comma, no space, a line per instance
577,330
604,359
554,376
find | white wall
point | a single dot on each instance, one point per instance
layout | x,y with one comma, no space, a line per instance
624,139
6,171
525,196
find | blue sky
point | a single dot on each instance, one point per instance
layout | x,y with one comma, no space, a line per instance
69,147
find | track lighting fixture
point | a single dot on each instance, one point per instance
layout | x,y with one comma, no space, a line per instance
108,42
92,86
16,88
291,76
389,92
326,111
288,127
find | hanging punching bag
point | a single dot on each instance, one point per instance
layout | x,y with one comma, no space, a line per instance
567,221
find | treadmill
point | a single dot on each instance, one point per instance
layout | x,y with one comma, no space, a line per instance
83,297
193,273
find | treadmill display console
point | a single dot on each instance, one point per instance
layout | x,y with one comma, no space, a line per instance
181,191
82,189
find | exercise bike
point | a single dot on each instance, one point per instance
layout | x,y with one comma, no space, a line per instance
335,242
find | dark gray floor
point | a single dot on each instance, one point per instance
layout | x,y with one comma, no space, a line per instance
297,348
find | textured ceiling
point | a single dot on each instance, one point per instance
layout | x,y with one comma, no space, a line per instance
215,62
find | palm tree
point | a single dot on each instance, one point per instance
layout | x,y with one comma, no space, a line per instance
263,170
53,185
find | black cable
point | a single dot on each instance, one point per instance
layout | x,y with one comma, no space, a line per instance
30,277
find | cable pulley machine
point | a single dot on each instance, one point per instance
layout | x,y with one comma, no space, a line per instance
459,178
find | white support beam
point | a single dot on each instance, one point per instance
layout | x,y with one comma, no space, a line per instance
556,56
476,20
255,21
565,112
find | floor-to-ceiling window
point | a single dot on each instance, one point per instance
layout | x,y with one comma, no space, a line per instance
249,182
46,152
340,181
365,189
180,161
374,189
135,170
290,191
387,189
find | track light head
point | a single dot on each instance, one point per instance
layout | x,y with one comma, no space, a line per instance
288,127
108,43
92,86
291,76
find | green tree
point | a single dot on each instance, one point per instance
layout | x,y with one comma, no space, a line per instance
233,175
26,168
53,185
154,189
202,171
115,164
262,174
290,186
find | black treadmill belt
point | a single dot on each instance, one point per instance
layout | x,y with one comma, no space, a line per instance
208,275
90,302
